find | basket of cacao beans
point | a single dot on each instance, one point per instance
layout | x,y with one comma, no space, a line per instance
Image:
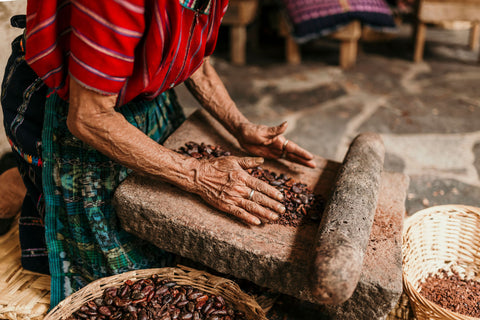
166,294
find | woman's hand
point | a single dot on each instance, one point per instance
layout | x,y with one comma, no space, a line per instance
269,143
224,184
263,141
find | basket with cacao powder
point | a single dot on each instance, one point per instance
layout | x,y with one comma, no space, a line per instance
301,204
450,291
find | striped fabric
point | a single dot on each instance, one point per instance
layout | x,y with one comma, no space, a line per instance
307,10
198,5
314,18
127,47
33,160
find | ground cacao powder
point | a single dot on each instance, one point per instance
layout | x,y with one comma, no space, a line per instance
448,290
302,206
155,298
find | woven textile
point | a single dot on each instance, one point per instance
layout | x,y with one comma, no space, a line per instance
130,47
313,18
84,238
23,98
202,6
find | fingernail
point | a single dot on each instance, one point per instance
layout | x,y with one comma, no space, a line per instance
274,216
281,209
281,197
259,160
256,221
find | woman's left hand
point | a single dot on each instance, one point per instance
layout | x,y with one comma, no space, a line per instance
268,142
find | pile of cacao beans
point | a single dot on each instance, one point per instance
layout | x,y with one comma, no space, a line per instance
156,298
301,204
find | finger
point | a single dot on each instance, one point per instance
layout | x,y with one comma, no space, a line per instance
265,188
250,162
267,202
242,214
294,158
295,149
258,210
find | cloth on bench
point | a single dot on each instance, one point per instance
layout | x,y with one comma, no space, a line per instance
314,18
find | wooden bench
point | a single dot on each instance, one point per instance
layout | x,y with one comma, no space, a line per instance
438,11
348,37
240,13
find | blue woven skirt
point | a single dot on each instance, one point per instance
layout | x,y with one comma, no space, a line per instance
84,238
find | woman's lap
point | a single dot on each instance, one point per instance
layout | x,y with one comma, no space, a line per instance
78,194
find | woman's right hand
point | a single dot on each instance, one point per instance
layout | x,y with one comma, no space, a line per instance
224,184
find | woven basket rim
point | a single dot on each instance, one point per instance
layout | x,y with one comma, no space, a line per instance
409,221
196,278
415,297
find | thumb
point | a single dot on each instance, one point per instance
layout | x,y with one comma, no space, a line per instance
250,162
272,132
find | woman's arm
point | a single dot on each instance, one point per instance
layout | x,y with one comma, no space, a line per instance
223,183
260,140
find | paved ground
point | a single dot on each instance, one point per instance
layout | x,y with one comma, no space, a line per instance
428,113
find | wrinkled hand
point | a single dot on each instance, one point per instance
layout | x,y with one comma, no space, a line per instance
224,184
269,143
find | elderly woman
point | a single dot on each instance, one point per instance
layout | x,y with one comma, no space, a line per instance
87,97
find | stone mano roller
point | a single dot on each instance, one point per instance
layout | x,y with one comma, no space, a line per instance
355,249
345,227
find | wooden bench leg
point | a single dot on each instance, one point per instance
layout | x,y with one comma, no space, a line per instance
349,37
419,41
474,35
238,41
348,53
292,51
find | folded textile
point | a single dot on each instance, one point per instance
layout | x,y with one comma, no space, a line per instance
314,18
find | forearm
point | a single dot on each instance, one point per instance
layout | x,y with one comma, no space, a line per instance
92,119
209,90
222,182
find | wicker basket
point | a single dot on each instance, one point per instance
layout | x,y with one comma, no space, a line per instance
403,309
24,295
442,237
182,275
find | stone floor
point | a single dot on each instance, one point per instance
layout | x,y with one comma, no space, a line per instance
427,113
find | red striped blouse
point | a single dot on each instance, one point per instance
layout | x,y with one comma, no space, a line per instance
128,47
